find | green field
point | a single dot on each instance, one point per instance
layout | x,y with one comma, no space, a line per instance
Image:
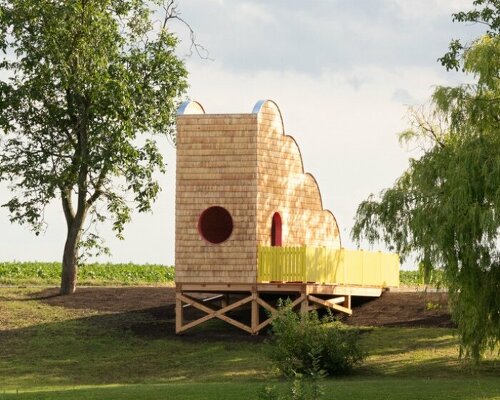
43,273
57,352
48,273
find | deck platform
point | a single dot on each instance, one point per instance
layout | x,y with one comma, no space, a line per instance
305,297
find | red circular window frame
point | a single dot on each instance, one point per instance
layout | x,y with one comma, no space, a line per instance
215,225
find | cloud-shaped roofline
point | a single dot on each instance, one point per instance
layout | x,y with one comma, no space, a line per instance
194,107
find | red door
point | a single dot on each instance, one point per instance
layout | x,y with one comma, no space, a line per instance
276,230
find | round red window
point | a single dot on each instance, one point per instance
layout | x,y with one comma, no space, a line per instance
215,224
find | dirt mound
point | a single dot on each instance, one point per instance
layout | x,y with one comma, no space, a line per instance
391,309
111,299
417,309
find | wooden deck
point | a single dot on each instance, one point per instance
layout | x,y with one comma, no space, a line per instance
303,274
215,300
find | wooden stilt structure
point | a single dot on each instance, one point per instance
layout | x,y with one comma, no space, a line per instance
305,297
251,226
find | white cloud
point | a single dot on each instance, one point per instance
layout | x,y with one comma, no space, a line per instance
347,134
281,35
429,9
253,13
340,71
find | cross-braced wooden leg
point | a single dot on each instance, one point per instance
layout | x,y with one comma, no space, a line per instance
273,310
304,305
255,313
211,313
347,302
179,313
331,303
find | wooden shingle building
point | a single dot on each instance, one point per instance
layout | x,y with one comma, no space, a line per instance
250,222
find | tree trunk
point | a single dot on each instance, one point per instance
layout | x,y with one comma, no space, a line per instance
70,257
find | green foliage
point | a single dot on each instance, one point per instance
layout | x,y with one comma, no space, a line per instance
15,273
486,12
409,278
298,388
303,345
445,208
91,86
417,278
429,306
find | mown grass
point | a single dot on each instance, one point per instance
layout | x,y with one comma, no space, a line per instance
43,273
353,389
53,352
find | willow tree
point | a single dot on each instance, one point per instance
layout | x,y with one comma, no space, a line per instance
445,208
91,86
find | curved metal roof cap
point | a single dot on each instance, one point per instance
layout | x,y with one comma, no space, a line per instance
190,107
258,107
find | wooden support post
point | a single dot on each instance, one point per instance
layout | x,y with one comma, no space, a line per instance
255,313
179,313
304,305
347,301
224,301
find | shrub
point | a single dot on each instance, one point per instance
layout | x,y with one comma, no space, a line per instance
307,345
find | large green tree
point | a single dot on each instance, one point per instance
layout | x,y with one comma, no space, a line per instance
91,86
445,208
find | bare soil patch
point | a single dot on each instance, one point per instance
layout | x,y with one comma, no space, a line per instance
408,309
111,299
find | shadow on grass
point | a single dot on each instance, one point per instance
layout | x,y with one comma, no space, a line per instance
140,346
127,347
407,342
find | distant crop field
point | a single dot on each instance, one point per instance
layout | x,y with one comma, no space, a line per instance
409,278
414,278
47,273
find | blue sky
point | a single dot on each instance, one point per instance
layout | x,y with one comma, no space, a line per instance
342,72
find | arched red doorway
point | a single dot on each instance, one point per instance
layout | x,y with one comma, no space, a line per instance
276,230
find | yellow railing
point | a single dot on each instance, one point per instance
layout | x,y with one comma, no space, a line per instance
327,265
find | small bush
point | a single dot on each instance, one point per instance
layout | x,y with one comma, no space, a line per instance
307,345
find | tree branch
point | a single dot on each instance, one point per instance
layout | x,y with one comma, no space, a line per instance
67,203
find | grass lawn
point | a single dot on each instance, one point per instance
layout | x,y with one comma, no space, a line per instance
53,352
375,389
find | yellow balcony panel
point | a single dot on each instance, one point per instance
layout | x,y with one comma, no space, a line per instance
326,265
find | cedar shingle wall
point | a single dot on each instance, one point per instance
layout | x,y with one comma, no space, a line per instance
216,166
284,187
244,163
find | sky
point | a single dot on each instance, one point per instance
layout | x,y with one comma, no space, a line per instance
343,74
